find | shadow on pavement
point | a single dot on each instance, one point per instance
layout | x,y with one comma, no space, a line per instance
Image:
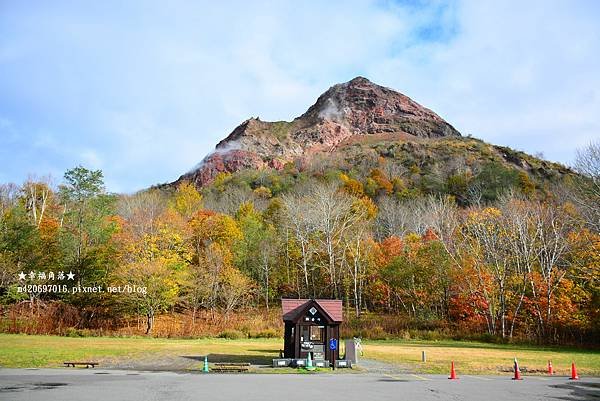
232,358
391,380
580,390
31,386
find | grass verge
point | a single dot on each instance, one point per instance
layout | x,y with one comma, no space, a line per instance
481,358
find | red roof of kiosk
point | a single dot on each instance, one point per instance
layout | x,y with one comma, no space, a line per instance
333,307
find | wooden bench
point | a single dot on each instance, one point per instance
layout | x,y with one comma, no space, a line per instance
87,364
230,367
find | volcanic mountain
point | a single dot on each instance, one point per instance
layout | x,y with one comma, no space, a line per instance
358,123
345,112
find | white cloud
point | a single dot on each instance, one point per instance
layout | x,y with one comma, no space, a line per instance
518,74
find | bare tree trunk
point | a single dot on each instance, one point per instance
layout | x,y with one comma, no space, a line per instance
266,269
149,320
517,309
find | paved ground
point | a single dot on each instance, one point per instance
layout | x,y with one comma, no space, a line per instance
109,385
384,368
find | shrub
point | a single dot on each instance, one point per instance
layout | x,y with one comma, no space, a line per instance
268,333
233,334
73,332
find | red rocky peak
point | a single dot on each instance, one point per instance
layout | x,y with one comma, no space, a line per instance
352,109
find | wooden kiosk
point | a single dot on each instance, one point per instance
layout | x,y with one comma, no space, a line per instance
309,325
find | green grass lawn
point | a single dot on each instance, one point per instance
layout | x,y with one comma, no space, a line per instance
51,351
470,357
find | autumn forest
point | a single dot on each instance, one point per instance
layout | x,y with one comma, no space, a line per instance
499,257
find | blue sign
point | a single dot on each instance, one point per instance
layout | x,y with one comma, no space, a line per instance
332,344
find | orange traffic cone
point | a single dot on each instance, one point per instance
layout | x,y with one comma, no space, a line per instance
517,371
452,372
574,375
550,369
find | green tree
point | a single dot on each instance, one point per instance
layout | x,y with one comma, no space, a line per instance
256,251
86,229
19,250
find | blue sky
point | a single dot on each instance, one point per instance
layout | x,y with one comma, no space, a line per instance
145,89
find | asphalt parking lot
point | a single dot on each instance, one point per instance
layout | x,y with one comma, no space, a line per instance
99,384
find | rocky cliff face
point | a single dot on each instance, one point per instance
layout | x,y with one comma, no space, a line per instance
343,113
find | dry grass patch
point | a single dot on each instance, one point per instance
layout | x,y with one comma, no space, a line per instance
481,358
